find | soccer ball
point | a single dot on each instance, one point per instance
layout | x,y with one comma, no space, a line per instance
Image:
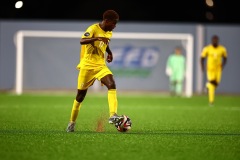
124,125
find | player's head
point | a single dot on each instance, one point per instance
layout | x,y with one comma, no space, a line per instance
178,50
110,19
110,15
215,40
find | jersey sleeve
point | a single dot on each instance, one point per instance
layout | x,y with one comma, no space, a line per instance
168,64
204,52
89,32
225,52
82,51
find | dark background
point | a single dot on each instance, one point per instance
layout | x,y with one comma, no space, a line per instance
224,11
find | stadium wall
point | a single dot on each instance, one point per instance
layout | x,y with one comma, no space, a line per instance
229,36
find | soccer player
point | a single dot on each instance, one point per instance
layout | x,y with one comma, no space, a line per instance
94,44
216,55
175,69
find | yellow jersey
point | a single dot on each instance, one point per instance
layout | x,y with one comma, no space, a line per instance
214,55
93,55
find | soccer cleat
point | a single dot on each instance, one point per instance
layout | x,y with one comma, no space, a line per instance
115,119
71,127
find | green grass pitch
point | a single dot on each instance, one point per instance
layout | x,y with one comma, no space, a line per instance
163,128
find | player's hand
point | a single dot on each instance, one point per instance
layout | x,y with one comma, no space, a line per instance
109,58
104,39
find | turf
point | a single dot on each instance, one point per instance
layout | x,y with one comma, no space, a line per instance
163,128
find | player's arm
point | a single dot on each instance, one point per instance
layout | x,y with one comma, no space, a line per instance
110,55
168,69
93,39
224,62
202,63
203,57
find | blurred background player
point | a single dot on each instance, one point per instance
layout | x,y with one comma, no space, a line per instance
216,55
175,69
92,66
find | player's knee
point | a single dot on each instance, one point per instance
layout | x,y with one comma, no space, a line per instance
215,83
111,85
80,97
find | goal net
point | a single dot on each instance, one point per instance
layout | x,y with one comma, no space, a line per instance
46,60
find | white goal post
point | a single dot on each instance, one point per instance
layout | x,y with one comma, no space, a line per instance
20,35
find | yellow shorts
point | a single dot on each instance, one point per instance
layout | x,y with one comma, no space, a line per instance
86,77
214,74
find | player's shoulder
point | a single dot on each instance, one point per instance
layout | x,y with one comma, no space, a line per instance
94,25
221,46
208,46
171,56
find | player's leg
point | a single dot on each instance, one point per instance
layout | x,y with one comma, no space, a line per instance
214,84
179,83
74,114
109,82
211,85
75,109
77,104
179,86
85,80
211,92
106,78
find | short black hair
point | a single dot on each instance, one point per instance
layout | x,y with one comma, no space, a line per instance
110,15
215,37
